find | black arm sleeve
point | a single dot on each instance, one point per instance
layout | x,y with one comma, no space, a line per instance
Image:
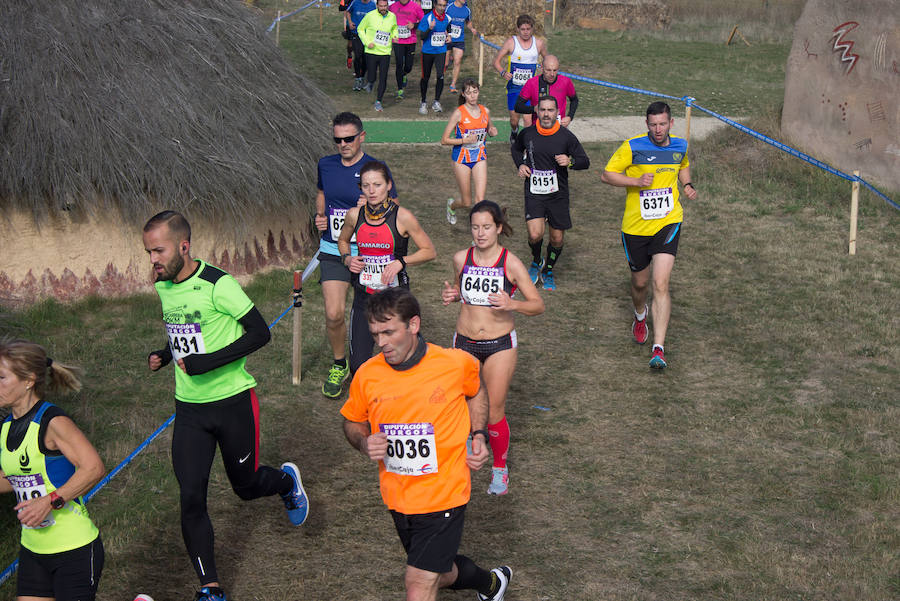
256,335
517,149
522,106
423,35
165,354
573,106
580,159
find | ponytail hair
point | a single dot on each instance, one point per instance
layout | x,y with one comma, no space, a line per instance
29,360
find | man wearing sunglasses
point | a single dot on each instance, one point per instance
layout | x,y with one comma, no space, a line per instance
338,183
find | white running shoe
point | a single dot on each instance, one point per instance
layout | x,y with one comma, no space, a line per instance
503,575
451,214
436,107
423,109
499,481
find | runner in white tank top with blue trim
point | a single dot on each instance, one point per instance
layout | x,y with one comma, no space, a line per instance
519,67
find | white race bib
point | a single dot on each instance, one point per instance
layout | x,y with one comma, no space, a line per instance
403,31
336,217
479,133
520,76
456,32
411,449
544,182
185,339
438,38
656,203
382,38
31,486
373,267
476,283
426,4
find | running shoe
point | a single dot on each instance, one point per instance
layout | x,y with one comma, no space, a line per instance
357,84
378,107
639,328
333,385
296,503
451,213
367,88
423,109
499,481
549,282
210,593
657,361
503,574
399,94
534,272
453,89
436,107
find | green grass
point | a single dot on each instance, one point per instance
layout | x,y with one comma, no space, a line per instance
733,80
763,464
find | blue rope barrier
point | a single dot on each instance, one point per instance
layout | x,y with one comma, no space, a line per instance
690,101
290,14
11,569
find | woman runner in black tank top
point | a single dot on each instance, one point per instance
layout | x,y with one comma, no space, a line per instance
487,278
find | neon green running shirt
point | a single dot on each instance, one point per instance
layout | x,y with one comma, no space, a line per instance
201,316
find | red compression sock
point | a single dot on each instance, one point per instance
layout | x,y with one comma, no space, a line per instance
499,441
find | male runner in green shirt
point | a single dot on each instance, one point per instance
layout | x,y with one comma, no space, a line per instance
211,327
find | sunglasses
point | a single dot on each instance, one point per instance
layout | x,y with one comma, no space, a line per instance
346,139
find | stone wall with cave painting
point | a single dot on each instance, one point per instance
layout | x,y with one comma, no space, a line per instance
67,256
842,87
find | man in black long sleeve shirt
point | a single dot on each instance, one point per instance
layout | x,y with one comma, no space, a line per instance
544,153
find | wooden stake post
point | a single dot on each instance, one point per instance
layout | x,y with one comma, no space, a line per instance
297,353
277,27
553,20
687,124
854,208
321,16
480,62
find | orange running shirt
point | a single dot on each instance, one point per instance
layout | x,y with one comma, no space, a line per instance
425,413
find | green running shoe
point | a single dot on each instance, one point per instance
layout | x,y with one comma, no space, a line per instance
333,385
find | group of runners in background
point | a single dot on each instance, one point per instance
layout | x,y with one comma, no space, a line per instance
426,415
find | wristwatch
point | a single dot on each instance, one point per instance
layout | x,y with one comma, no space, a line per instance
485,433
56,501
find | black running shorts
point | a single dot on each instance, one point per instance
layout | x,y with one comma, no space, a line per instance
482,349
331,268
552,207
67,576
639,250
431,540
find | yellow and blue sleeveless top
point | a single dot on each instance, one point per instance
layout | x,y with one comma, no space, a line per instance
34,474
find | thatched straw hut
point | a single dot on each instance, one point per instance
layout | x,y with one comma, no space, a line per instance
110,111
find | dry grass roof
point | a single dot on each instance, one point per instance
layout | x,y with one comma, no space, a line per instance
138,103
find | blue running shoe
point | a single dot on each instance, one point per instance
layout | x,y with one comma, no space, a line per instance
534,272
549,282
296,503
657,361
210,593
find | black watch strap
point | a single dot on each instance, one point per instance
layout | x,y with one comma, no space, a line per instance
485,433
